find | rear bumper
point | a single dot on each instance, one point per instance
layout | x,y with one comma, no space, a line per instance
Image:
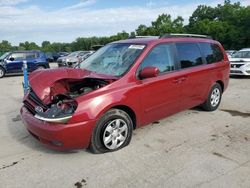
58,136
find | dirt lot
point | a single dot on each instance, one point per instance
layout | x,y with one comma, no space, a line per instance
190,149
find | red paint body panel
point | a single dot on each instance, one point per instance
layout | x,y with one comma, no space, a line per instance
150,99
71,136
43,82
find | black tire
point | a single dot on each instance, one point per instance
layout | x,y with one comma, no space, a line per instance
211,104
2,72
40,67
97,144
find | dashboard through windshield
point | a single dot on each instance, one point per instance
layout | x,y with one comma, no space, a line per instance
113,59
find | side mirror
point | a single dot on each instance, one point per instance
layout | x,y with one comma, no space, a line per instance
149,72
12,59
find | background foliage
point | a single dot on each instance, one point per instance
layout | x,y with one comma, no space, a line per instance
228,23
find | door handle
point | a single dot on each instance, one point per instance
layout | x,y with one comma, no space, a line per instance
179,80
182,79
176,81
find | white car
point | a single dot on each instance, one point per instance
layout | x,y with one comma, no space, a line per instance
230,53
240,62
73,58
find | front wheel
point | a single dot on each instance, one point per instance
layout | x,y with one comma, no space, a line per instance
112,132
2,72
214,98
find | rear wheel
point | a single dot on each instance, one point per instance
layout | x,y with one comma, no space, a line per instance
214,98
2,72
112,132
40,67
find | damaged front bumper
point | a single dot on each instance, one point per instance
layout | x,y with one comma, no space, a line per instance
51,125
54,120
58,136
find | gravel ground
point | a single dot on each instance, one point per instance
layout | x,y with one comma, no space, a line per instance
190,149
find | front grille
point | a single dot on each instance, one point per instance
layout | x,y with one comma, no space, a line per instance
32,101
29,107
236,65
236,71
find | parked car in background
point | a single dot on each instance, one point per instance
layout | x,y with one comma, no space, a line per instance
230,52
57,55
240,62
12,62
96,47
123,86
49,56
73,58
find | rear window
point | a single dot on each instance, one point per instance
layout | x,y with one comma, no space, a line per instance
189,54
212,52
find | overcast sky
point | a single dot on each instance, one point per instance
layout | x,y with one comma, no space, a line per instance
65,20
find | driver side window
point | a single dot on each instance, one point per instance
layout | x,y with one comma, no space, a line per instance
17,56
161,57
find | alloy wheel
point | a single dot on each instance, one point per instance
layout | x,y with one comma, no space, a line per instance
115,134
1,72
215,97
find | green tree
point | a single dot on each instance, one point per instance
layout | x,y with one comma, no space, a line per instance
228,23
162,25
5,46
29,46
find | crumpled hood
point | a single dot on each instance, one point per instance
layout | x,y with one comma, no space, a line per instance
41,80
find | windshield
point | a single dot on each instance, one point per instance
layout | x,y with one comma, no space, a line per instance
242,54
113,59
4,55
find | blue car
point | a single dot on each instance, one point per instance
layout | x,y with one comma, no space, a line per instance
12,62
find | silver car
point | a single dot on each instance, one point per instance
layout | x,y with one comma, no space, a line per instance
73,58
240,62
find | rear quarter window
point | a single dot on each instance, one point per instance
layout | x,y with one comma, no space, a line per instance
31,55
212,52
189,54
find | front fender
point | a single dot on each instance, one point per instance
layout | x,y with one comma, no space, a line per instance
94,108
2,66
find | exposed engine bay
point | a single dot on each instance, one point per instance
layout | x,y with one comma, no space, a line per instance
69,89
63,92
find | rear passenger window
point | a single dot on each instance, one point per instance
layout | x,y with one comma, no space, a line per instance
212,52
161,57
189,54
30,55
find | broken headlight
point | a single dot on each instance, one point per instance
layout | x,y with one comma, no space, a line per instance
61,112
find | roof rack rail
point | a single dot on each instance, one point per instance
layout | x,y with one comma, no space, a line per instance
172,35
138,37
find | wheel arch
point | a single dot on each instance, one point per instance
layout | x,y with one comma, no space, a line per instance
221,84
43,64
4,69
129,111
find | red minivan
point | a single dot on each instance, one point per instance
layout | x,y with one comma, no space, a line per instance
124,85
